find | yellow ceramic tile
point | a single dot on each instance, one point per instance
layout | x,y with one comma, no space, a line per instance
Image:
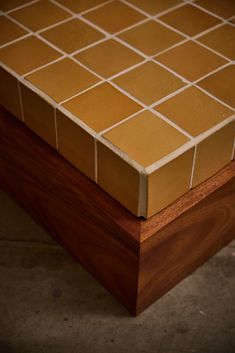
149,82
81,5
223,8
7,5
222,40
38,115
27,54
114,16
146,138
151,37
189,20
169,182
213,153
194,111
108,58
222,85
153,7
9,93
40,15
76,145
102,106
72,35
9,30
191,60
62,79
118,178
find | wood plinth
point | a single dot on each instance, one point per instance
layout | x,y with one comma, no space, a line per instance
137,260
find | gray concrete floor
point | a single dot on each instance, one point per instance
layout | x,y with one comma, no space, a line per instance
49,304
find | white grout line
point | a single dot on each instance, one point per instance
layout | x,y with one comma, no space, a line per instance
193,167
233,150
214,97
56,129
22,6
143,195
96,7
56,24
208,11
20,100
15,40
96,159
44,66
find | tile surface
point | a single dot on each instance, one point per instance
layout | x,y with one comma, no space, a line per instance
154,7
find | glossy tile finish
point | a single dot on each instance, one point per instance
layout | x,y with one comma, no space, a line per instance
138,95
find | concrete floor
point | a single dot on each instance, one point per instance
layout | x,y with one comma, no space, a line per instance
49,304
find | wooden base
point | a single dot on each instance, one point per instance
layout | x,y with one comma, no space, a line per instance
137,260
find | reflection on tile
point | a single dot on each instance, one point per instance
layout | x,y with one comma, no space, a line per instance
7,5
114,16
189,20
9,30
191,60
194,111
149,82
154,7
146,138
222,40
151,37
76,145
81,5
72,35
222,85
108,58
27,54
62,79
223,8
102,106
40,15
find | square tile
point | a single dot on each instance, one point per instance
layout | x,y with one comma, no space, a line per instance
40,15
189,20
154,7
72,35
151,37
169,182
222,85
191,60
114,16
9,93
149,82
137,138
39,115
194,111
27,54
102,106
7,5
222,40
81,5
224,8
214,153
108,58
76,145
9,30
118,178
62,79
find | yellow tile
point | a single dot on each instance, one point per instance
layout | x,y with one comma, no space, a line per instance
222,85
194,111
118,178
9,93
151,37
38,115
189,20
72,35
214,153
76,145
149,82
222,40
40,15
81,5
146,138
27,54
102,106
191,60
7,5
153,7
169,182
108,58
62,79
114,16
224,8
9,30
